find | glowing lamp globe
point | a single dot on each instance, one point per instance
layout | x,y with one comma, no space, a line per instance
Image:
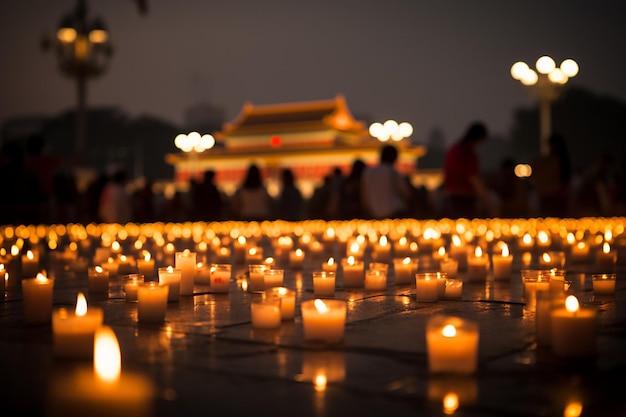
569,68
518,70
557,76
545,64
530,78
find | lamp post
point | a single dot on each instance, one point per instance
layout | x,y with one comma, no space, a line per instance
192,144
391,130
548,80
83,49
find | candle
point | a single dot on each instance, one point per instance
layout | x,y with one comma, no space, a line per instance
573,329
101,255
330,265
546,302
324,320
525,243
454,289
404,270
257,277
102,390
73,332
459,252
3,282
452,345
171,276
353,274
186,263
223,255
287,301
502,263
254,255
265,312
30,264
145,266
273,278
552,259
450,266
240,247
534,280
375,279
152,299
579,253
37,303
126,265
603,284
605,259
382,250
438,256
296,259
543,239
426,286
203,274
477,265
111,266
220,278
98,282
323,284
131,283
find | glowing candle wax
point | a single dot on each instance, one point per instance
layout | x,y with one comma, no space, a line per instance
603,284
265,312
330,265
186,263
257,277
353,273
296,259
323,284
477,265
324,320
404,270
145,266
273,278
454,289
37,293
452,345
152,300
73,332
573,329
426,286
131,283
375,279
30,264
171,277
287,301
220,278
605,259
501,264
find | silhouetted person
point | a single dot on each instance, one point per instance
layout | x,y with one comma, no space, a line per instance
115,204
144,210
463,186
289,203
318,203
251,202
511,190
350,195
206,199
44,167
385,193
65,197
551,177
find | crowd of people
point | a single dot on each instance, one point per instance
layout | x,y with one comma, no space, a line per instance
42,189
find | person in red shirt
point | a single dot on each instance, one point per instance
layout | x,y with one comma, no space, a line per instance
463,186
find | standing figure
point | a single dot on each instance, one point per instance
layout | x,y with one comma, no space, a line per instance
251,202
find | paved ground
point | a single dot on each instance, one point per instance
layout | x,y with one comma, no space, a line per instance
207,359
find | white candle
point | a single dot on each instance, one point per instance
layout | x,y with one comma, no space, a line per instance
296,259
145,266
404,270
152,299
171,277
98,282
323,284
375,280
477,265
287,301
37,303
73,332
452,345
454,289
605,259
273,278
30,264
426,287
353,274
324,320
131,283
220,278
265,312
573,329
203,274
603,284
186,263
257,277
330,265
501,264
382,250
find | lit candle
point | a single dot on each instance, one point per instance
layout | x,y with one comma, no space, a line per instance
37,293
353,273
546,302
375,279
438,256
265,312
30,264
324,320
477,265
552,259
3,282
171,276
579,253
454,289
223,255
131,283
257,277
186,263
145,266
254,255
240,247
323,284
220,278
426,286
73,332
449,266
458,251
525,243
296,259
502,264
203,274
603,284
287,301
543,239
452,345
573,329
382,250
330,265
404,270
273,278
534,280
152,299
605,259
111,266
98,282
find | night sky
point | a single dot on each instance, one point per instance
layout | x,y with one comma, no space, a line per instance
436,64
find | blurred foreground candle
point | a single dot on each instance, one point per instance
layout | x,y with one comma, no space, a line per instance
573,329
30,264
98,282
477,265
324,320
546,302
287,301
502,264
152,300
220,278
171,277
353,274
102,390
186,263
605,259
73,332
323,284
265,312
426,286
603,284
131,283
452,345
37,293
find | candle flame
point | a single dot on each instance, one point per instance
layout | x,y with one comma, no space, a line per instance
383,240
81,304
299,252
606,248
252,251
449,330
505,250
123,258
269,260
527,239
542,236
571,304
441,251
546,257
456,240
354,247
241,240
170,269
41,278
15,250
571,238
107,359
281,291
580,245
186,252
450,403
350,260
330,232
320,306
320,382
478,252
30,255
403,241
331,261
116,246
406,260
573,409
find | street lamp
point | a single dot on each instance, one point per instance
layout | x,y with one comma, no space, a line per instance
192,144
83,48
548,78
391,130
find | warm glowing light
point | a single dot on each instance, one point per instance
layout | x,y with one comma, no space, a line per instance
299,253
441,251
543,237
546,257
41,278
557,76
241,240
67,35
331,261
30,255
450,403
569,67
406,261
320,382
320,306
530,78
351,260
519,69
505,250
581,245
449,330
456,240
81,304
98,36
571,304
606,248
354,247
527,239
383,241
282,291
147,256
99,269
478,252
573,409
252,251
107,359
545,64
170,269
523,170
